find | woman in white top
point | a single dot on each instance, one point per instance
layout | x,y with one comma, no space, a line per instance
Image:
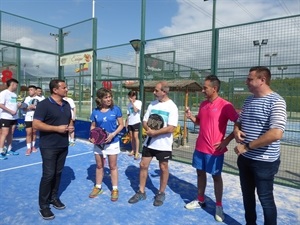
133,122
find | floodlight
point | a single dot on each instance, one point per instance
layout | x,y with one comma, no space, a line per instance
136,44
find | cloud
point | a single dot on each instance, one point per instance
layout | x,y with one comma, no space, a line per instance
195,15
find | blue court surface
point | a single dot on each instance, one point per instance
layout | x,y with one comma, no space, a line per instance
20,176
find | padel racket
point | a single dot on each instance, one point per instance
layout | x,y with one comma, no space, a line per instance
155,122
99,135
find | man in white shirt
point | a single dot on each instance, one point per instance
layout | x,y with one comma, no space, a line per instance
73,113
9,116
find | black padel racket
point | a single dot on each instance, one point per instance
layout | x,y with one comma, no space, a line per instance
99,135
155,122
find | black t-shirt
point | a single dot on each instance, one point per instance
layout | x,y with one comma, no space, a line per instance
51,113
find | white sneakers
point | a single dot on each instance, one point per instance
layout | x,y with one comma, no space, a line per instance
195,204
219,215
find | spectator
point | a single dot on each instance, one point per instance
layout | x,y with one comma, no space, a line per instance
73,113
31,101
9,116
133,122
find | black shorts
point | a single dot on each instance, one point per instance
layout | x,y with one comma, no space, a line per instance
8,123
28,124
162,156
134,127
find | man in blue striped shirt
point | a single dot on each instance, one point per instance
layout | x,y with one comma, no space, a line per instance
258,132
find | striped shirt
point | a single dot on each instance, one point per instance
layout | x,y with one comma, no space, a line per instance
259,115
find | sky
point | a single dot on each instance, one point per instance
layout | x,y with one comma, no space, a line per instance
119,20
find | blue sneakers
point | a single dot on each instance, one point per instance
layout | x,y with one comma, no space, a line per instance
12,153
2,156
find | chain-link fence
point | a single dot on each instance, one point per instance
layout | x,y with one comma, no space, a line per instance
32,50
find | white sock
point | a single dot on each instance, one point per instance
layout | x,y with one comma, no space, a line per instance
28,145
33,144
98,186
9,148
115,187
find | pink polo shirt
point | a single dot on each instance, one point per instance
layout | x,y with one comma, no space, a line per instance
214,117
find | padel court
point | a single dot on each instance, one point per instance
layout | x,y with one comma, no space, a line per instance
20,176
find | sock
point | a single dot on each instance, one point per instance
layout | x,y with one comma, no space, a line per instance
98,186
201,198
115,187
1,150
9,148
28,145
33,144
218,203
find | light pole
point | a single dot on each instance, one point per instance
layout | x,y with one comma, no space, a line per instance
136,44
282,68
271,55
37,69
259,44
24,73
214,56
56,37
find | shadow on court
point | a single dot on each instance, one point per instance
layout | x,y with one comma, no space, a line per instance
20,176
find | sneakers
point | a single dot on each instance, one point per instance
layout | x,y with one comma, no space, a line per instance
12,153
71,143
3,156
137,197
114,195
57,204
47,214
34,149
95,192
219,216
28,152
195,204
159,199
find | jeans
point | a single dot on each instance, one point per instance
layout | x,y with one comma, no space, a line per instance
53,164
259,175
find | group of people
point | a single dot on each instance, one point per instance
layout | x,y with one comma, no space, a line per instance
257,131
10,109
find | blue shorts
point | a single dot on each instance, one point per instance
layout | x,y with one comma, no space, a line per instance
209,163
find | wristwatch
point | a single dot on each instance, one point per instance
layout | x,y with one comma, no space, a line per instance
247,146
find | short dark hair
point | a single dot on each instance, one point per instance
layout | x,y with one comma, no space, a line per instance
132,93
31,86
262,71
55,84
214,80
39,88
12,80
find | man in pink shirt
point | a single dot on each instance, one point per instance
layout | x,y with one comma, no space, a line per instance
213,116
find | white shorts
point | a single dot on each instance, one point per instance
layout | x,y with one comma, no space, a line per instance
109,149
